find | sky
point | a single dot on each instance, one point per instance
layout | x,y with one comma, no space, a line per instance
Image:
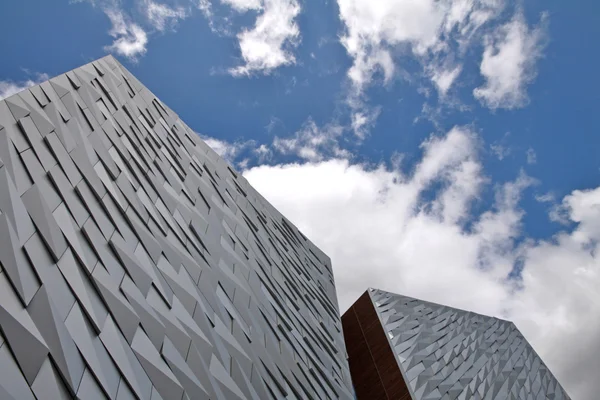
440,149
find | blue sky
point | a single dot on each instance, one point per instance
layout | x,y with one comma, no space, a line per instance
468,126
186,66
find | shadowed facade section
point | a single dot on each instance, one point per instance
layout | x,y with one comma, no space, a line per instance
373,367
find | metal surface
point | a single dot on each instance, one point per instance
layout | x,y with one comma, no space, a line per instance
446,353
136,263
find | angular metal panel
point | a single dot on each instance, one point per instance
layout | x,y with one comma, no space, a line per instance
149,268
448,353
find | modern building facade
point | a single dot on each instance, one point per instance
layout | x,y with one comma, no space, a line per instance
137,264
406,349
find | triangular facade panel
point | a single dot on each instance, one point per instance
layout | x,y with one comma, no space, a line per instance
403,348
136,263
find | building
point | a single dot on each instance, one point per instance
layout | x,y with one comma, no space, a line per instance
406,349
136,263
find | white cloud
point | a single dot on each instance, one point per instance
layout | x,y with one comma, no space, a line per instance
547,197
499,150
416,234
560,303
373,27
363,118
244,5
380,218
205,7
220,25
162,16
268,45
378,32
263,152
130,39
8,87
444,79
531,156
508,63
313,143
229,151
384,38
239,152
584,209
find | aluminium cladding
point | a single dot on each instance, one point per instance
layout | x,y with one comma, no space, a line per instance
137,264
446,353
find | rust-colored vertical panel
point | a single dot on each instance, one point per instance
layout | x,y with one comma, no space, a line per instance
365,377
373,366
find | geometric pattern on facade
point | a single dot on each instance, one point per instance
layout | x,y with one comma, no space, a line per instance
136,263
447,353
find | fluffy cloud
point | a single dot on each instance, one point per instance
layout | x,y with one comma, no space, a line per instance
547,197
439,34
205,7
508,63
363,118
417,234
560,304
444,78
162,16
240,153
384,37
378,31
8,87
268,45
313,143
310,143
130,39
243,5
228,151
382,219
